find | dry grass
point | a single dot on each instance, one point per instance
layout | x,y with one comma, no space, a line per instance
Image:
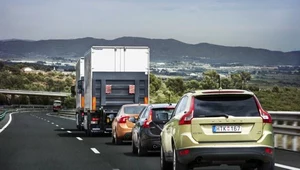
289,142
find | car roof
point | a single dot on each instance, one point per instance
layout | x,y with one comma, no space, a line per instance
135,104
221,91
162,105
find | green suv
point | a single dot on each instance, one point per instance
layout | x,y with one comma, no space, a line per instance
215,127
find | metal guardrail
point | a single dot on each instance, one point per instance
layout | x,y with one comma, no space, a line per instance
30,106
2,114
286,125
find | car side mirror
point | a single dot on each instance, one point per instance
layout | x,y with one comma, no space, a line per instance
111,116
132,119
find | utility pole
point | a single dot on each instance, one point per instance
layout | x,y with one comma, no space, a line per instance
219,77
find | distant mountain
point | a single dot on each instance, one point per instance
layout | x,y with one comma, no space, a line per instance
161,50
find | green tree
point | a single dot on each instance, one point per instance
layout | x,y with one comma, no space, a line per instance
176,85
210,80
70,102
193,85
236,80
225,83
245,76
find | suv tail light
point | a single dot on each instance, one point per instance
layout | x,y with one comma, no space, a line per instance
266,117
148,121
95,118
187,118
123,119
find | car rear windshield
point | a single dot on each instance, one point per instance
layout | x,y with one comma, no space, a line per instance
133,109
162,114
234,105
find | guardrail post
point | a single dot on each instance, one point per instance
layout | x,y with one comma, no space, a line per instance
295,138
275,136
284,138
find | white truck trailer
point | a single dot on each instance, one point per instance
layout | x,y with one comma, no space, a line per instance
79,93
113,76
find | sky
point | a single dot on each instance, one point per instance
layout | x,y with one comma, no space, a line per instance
269,24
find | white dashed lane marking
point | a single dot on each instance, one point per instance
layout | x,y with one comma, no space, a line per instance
286,167
95,150
79,138
62,128
69,131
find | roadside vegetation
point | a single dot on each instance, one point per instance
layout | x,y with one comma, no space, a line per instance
272,96
13,77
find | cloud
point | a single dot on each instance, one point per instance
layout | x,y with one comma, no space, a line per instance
228,22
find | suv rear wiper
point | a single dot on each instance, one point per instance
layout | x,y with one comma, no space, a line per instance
219,115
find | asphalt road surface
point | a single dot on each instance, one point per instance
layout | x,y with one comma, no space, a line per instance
40,141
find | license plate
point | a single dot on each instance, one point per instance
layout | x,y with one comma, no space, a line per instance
227,128
95,128
108,129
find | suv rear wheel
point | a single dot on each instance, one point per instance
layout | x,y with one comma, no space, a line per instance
266,166
176,164
164,165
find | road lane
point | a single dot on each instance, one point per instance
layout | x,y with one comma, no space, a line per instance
104,144
30,143
31,138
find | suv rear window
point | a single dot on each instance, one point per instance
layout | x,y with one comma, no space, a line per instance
162,114
234,105
133,109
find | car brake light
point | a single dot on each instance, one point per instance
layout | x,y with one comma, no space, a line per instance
148,121
269,150
266,117
82,114
184,152
187,118
123,119
95,119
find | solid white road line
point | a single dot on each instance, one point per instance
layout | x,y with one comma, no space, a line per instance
9,121
69,131
79,138
95,150
286,167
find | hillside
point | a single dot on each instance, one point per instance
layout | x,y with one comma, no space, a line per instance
161,50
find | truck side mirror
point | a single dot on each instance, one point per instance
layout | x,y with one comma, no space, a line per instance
80,86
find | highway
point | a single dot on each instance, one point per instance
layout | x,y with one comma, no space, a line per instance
40,141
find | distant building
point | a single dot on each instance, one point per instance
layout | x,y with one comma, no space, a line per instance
27,69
